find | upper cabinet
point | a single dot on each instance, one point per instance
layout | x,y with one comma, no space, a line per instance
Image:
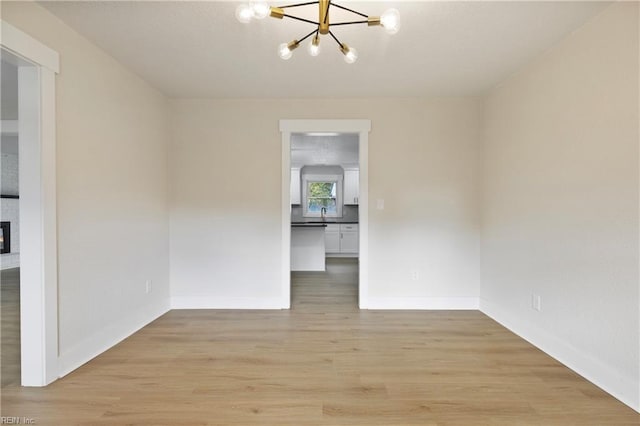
295,186
351,186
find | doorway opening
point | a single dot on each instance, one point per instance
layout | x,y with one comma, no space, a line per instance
324,218
324,199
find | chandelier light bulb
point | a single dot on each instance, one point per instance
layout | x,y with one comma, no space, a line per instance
244,13
260,9
285,50
350,54
390,20
314,46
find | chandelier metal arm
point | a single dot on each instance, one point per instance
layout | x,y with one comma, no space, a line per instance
326,12
349,10
301,19
307,36
349,23
336,39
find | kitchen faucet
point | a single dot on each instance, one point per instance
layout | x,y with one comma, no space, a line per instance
323,211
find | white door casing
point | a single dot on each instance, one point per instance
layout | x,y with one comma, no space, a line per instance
37,66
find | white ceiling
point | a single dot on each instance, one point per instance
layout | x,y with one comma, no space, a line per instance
338,150
199,49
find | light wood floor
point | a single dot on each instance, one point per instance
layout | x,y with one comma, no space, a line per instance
324,362
10,330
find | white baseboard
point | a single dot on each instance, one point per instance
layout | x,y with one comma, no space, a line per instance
605,377
106,338
208,302
422,303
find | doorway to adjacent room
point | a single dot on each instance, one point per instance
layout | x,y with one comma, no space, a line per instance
315,206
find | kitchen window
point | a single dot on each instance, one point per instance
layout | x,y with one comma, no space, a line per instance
322,196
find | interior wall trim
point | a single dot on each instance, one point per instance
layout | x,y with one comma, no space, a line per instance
360,126
425,303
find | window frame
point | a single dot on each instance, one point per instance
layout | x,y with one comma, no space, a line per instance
306,179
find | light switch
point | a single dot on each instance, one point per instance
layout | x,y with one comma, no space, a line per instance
380,204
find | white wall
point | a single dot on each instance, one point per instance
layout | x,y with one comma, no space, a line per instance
225,202
9,183
112,191
560,208
9,88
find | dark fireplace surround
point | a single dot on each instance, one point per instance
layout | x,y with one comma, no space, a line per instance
5,237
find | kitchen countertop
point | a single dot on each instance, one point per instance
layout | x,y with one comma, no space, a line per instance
331,221
349,215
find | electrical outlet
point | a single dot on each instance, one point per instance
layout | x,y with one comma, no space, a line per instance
148,286
380,204
415,275
536,302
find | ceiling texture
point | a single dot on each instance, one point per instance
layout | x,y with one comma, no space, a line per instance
198,48
339,150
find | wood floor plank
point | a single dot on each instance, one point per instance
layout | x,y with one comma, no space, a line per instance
10,327
324,362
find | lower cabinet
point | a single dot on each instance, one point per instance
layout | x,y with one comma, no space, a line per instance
349,238
341,239
332,239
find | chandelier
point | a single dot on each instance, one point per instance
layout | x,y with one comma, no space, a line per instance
389,20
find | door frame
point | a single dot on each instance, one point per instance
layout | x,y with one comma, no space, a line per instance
37,67
362,128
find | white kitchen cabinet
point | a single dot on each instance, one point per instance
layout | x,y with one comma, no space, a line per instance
341,239
349,238
295,186
332,239
351,186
